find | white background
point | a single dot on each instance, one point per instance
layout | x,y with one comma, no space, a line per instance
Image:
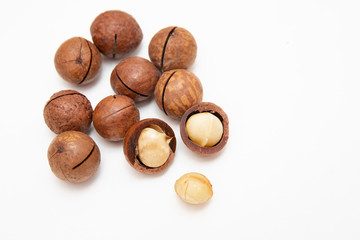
286,72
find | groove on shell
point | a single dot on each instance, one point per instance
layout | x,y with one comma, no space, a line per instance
114,49
118,77
67,94
86,158
90,63
117,111
163,93
164,49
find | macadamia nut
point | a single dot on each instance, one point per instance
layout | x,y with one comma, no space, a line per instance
204,129
193,188
153,146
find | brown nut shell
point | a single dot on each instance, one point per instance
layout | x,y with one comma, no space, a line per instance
68,110
73,156
219,113
134,77
131,141
176,91
115,33
114,115
172,48
77,60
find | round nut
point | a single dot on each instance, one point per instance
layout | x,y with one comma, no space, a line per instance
176,91
218,140
78,61
158,137
194,188
114,115
134,77
115,33
172,48
73,156
68,110
204,129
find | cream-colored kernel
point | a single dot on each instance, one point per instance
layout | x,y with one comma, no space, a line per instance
204,129
193,188
153,146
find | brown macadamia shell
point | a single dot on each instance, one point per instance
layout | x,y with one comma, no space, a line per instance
172,48
131,141
114,115
78,61
213,109
115,33
176,91
68,110
73,156
134,77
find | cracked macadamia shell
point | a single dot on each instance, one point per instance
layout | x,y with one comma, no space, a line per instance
194,188
68,110
134,77
205,107
114,115
131,148
73,156
172,48
176,91
78,61
115,33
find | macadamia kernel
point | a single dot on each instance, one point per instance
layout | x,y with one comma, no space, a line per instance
204,129
193,188
153,146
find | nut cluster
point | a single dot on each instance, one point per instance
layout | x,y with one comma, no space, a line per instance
149,145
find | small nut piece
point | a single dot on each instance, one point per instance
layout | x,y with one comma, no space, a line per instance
73,156
68,110
114,115
194,188
153,146
176,91
149,146
135,77
115,33
78,61
172,48
204,129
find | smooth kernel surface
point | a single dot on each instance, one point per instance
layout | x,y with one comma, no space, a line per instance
153,146
204,129
193,188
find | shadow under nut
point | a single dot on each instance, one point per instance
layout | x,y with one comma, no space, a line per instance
78,61
131,141
68,110
73,156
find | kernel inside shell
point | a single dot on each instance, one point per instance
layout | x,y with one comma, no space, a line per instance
211,108
130,147
153,146
204,129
